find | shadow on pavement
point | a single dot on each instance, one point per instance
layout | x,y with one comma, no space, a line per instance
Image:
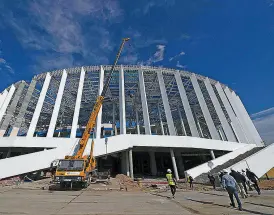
191,210
213,194
226,206
252,203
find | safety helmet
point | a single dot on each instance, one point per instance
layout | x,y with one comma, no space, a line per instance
169,170
225,171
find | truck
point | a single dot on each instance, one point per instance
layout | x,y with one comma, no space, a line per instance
79,169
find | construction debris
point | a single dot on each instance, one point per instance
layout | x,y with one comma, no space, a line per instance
267,184
126,183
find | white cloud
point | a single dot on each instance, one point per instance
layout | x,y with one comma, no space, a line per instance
264,122
56,28
4,66
180,65
176,56
157,56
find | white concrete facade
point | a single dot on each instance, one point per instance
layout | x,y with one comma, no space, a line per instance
65,146
164,102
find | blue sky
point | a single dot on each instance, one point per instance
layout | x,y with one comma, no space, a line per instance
231,41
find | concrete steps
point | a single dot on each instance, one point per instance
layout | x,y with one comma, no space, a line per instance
203,178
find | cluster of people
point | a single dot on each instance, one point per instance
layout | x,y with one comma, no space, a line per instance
238,181
232,182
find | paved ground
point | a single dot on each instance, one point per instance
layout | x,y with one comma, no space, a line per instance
40,202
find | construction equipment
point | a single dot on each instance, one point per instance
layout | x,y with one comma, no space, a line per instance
77,169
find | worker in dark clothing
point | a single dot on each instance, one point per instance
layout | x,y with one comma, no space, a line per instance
212,180
230,184
254,179
171,182
190,180
240,179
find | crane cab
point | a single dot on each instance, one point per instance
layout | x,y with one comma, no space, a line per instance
71,171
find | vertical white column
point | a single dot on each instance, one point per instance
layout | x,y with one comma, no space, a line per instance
234,122
77,104
57,104
3,97
247,119
212,154
7,101
142,89
189,115
181,121
174,164
39,106
161,121
99,117
137,121
239,116
211,127
122,102
130,163
227,129
169,118
180,163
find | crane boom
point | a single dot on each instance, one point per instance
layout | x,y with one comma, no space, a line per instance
96,108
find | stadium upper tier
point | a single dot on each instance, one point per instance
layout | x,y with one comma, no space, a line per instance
140,100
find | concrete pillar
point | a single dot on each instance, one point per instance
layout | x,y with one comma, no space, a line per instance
153,166
189,115
169,118
122,102
77,104
239,116
130,162
210,124
253,130
6,102
142,89
39,106
181,121
212,154
180,163
137,122
161,121
174,164
10,111
236,126
99,117
227,129
23,109
57,104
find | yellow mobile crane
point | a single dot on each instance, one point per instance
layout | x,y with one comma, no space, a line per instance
77,168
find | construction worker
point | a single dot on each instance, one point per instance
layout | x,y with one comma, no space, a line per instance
190,181
171,182
212,180
240,179
254,179
230,184
248,182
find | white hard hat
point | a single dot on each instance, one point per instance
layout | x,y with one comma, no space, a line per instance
169,170
225,170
